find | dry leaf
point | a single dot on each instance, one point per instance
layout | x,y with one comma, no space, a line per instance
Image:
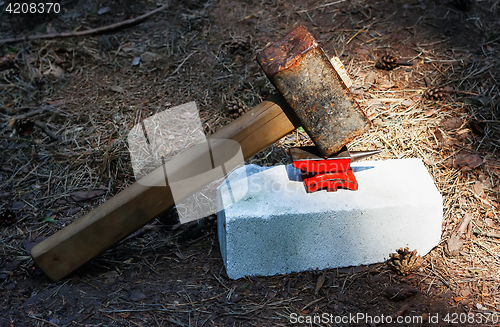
370,79
86,195
468,160
386,85
458,299
378,122
451,123
478,189
110,276
360,74
149,57
12,123
55,71
465,223
320,282
439,135
456,240
103,11
117,89
429,161
124,315
485,180
137,295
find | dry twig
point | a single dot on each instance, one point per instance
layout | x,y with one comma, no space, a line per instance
103,29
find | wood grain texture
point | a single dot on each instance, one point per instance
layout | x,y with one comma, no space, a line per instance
93,233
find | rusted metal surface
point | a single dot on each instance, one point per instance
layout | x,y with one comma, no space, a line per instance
303,74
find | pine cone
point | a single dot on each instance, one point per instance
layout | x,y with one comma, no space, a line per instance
236,108
24,126
387,62
436,93
7,218
8,74
7,60
404,262
238,47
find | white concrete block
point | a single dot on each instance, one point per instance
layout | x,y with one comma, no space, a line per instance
278,228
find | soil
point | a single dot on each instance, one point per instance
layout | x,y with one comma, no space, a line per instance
204,51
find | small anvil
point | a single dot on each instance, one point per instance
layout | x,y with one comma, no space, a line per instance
331,173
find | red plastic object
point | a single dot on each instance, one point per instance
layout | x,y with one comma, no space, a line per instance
324,173
327,173
331,181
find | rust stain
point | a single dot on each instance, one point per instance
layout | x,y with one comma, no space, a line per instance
301,71
286,52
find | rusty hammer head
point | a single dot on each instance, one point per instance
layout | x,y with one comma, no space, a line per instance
303,74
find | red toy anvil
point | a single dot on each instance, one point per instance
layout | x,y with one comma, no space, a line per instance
330,173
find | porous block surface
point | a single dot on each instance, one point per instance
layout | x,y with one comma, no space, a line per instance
277,227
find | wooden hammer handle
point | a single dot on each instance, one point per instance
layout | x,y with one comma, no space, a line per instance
120,216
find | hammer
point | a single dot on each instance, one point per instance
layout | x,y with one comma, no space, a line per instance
312,95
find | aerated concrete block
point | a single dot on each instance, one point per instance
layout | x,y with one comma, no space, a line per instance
278,228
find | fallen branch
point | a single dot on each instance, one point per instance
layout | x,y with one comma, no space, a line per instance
479,233
102,29
456,240
47,131
33,113
40,110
